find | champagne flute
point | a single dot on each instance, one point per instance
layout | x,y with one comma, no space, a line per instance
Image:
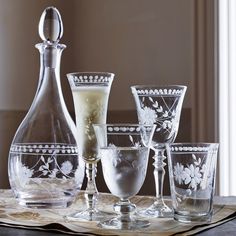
90,92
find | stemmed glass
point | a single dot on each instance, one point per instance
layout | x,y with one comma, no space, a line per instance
124,151
160,105
90,92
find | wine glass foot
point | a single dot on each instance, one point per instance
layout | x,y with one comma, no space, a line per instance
89,215
157,211
116,223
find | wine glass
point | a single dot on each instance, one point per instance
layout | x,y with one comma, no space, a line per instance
160,105
90,92
124,151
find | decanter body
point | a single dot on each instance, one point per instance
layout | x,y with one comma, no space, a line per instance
44,167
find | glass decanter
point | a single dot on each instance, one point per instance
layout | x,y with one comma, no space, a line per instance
45,170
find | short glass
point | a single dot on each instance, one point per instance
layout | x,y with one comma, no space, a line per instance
192,168
124,151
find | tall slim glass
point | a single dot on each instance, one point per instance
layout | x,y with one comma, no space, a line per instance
90,92
160,105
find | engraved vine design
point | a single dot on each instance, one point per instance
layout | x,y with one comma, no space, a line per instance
194,176
162,115
44,170
47,164
123,160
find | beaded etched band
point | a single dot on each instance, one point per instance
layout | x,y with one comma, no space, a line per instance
44,148
122,129
77,80
91,79
192,149
159,91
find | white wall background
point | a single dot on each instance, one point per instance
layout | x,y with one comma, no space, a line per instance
141,41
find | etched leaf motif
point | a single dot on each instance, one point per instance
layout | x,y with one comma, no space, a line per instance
155,105
131,139
150,98
45,172
194,157
41,168
53,173
165,114
197,163
137,144
50,160
160,109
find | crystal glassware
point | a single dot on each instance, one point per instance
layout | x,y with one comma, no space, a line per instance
90,92
124,151
44,167
160,105
192,168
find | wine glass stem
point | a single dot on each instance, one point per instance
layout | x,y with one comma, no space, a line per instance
91,191
159,173
124,209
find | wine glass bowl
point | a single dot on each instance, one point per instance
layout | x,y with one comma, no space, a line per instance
124,151
159,105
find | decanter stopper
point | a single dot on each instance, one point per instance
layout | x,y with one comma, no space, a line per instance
50,25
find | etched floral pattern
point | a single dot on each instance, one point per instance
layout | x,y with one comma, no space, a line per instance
66,167
24,174
63,171
148,116
193,174
50,162
178,173
160,111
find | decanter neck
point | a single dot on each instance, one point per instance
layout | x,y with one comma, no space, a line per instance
50,54
49,85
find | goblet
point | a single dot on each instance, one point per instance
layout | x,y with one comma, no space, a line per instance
160,105
124,151
90,95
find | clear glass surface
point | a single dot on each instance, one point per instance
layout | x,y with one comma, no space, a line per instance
159,105
45,170
124,151
192,168
90,95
